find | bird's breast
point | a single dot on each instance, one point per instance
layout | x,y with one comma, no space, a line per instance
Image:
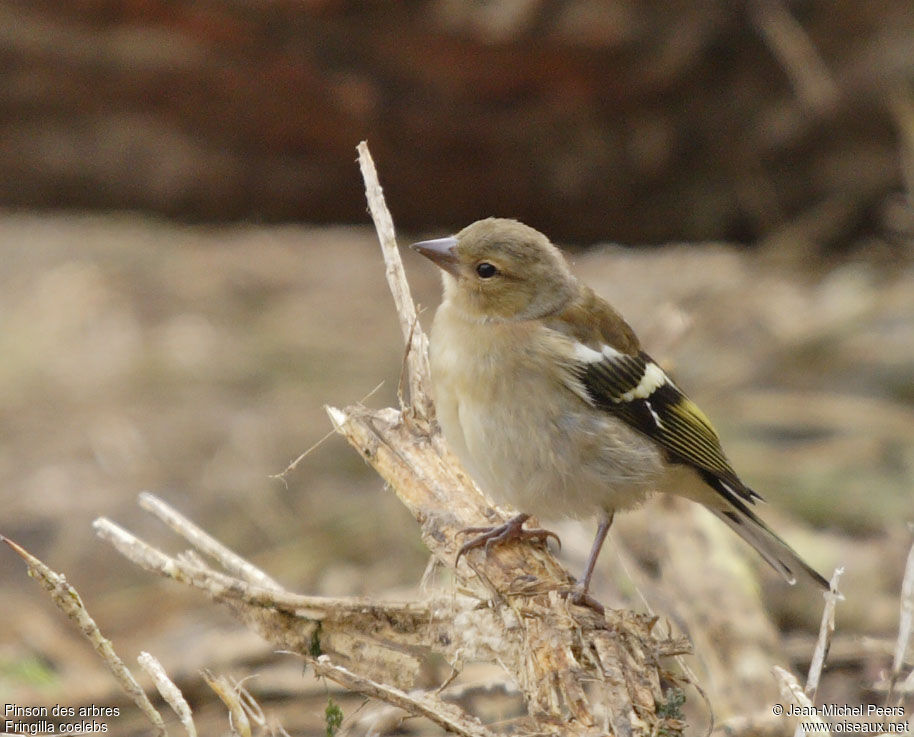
523,435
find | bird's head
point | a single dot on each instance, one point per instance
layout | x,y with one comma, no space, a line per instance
499,269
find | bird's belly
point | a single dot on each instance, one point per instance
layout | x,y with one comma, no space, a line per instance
553,459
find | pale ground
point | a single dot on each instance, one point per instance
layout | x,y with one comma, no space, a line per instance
195,361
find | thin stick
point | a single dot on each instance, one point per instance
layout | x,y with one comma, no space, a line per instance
231,697
206,543
826,630
447,716
223,587
794,693
169,691
823,643
413,336
793,48
301,456
905,623
901,102
283,475
69,602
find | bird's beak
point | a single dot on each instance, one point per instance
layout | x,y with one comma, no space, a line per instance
443,251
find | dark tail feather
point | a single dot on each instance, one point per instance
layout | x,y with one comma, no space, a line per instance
777,553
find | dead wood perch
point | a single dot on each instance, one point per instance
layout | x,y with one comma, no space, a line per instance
580,673
570,663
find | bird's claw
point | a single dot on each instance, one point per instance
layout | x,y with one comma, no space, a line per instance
513,529
578,595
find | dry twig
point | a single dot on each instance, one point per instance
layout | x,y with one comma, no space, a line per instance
206,543
169,691
826,630
70,603
796,695
417,344
905,625
814,84
823,643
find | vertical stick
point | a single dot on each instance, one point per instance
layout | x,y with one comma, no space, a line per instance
416,340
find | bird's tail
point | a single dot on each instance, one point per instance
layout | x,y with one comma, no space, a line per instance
779,555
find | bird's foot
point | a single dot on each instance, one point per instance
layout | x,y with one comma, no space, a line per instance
513,529
578,595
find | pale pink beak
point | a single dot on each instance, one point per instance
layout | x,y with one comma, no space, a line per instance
443,251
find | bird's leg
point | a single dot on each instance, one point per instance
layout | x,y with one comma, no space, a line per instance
579,595
513,529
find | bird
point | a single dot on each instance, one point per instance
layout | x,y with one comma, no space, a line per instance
546,396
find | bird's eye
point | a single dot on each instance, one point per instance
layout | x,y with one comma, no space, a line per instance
486,270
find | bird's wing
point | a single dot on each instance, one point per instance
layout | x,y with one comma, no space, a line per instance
609,370
604,365
633,387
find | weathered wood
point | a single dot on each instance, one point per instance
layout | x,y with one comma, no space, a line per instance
569,662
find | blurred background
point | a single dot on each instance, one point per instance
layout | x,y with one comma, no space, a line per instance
189,275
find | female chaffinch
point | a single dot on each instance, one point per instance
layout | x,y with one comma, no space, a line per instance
543,392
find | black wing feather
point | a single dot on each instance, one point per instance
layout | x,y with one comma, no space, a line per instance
635,389
664,414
